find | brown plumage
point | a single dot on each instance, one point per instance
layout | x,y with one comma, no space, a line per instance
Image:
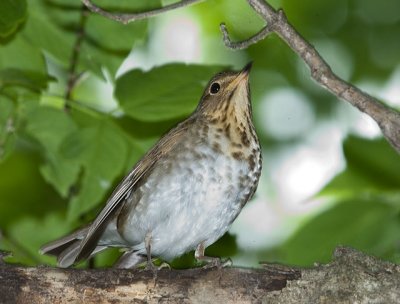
186,191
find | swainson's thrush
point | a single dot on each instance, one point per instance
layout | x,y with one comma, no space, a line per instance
186,191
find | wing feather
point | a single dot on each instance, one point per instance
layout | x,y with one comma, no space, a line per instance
118,197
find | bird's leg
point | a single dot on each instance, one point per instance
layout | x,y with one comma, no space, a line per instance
147,243
210,261
150,265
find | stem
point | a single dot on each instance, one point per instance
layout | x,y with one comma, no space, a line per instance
72,76
126,18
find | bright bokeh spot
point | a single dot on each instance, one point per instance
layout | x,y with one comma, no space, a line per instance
285,114
306,168
388,91
175,37
291,177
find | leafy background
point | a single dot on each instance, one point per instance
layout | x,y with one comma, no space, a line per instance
328,179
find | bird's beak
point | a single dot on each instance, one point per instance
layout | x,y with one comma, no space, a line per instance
243,74
247,68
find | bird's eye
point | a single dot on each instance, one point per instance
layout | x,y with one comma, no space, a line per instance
215,87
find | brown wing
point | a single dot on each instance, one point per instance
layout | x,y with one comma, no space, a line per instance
118,197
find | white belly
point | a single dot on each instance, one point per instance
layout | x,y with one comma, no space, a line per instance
194,201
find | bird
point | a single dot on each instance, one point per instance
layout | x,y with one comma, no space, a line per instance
186,191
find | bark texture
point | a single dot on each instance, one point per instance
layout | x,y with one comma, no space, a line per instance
352,277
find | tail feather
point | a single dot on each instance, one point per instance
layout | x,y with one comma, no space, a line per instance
68,256
58,246
66,249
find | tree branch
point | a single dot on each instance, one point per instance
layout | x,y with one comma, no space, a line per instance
387,118
239,45
126,18
72,77
351,277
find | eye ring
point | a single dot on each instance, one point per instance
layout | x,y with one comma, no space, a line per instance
215,87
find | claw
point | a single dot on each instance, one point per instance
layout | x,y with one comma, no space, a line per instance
150,266
211,262
164,265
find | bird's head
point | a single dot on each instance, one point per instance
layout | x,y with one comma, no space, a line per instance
227,96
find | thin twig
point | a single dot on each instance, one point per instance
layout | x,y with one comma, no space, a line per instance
72,76
126,18
240,45
387,118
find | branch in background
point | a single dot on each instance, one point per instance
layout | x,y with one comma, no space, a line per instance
245,43
9,128
387,118
72,76
126,18
352,277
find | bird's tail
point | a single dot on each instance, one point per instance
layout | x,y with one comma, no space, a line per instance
66,249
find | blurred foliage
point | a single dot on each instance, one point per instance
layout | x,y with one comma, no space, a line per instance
60,158
16,14
366,212
152,96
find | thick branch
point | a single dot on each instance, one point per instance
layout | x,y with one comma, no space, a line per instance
388,119
126,18
352,277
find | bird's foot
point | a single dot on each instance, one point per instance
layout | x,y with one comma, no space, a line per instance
150,266
164,265
214,262
154,269
210,262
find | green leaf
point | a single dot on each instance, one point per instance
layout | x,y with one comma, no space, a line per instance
23,192
13,13
163,93
95,94
102,150
102,32
368,224
7,128
137,148
100,48
57,43
26,236
50,127
32,80
52,39
6,111
372,165
21,54
93,58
